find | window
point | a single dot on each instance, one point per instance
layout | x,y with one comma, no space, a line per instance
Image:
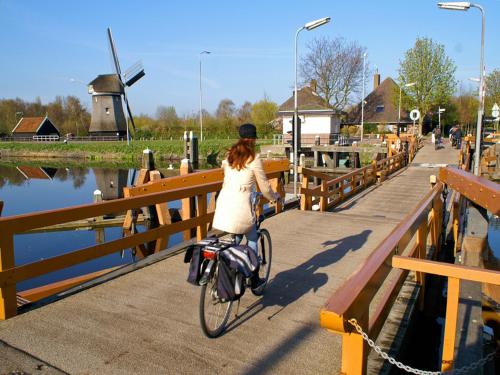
380,108
107,110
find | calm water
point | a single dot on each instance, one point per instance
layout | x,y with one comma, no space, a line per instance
27,188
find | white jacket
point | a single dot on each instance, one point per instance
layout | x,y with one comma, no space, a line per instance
233,212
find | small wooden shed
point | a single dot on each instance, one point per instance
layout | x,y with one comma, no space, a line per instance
35,128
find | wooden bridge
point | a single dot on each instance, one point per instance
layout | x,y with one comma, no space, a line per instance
146,321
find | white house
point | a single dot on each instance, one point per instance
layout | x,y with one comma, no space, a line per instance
317,118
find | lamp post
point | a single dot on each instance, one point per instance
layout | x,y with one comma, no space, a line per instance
399,106
201,102
466,6
308,26
363,97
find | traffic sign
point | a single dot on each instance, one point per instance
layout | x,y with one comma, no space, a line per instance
415,114
495,111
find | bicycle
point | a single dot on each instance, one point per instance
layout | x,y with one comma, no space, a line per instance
214,311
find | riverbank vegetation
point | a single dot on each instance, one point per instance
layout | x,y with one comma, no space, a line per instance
118,150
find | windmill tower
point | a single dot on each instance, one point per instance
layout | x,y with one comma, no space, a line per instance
108,118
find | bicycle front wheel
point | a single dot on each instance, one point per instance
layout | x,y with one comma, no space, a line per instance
265,252
214,311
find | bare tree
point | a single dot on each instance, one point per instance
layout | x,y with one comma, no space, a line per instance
337,67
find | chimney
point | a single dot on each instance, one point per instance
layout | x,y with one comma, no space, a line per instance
376,80
313,85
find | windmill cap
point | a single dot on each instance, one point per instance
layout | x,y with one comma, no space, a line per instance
248,131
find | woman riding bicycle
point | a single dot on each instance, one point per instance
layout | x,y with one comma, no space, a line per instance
243,169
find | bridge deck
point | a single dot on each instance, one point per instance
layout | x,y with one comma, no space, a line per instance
147,321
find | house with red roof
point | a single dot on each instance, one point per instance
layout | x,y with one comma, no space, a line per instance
35,127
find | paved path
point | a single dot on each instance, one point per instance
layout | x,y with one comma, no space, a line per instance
147,321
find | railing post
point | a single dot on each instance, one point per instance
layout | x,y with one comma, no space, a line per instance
305,198
354,352
8,299
187,203
450,327
201,229
421,252
323,200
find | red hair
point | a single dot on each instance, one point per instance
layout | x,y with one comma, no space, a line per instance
241,153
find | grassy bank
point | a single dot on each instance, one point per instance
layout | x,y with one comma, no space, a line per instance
163,150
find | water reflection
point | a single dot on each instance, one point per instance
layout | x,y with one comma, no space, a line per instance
26,188
494,235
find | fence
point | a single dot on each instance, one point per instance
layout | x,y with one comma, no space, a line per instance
156,194
331,191
355,298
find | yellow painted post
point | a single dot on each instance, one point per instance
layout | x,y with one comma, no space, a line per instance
323,200
354,352
450,327
201,210
304,198
162,213
187,203
8,299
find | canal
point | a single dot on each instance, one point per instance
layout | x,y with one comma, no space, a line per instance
26,187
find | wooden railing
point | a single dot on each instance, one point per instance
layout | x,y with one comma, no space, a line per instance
196,188
330,191
355,298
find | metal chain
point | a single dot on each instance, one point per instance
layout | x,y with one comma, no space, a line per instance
393,361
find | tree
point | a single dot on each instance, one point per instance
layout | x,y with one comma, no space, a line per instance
225,115
433,71
263,113
492,91
337,67
467,105
245,112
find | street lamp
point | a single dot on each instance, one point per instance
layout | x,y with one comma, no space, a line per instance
201,109
308,26
466,6
399,106
363,97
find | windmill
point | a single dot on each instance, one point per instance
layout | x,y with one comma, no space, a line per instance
108,118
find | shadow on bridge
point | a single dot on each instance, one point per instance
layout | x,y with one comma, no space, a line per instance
290,285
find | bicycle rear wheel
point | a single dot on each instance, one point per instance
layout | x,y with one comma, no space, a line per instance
265,252
214,312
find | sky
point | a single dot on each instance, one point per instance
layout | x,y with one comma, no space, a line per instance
56,47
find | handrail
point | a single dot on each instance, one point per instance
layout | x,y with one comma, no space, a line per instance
185,187
455,274
353,298
479,190
332,190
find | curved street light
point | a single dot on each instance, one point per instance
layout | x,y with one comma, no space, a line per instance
463,5
308,26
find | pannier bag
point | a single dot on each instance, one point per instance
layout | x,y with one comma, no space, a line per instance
241,258
194,256
230,285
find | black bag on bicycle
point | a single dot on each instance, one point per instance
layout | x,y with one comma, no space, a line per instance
230,282
194,256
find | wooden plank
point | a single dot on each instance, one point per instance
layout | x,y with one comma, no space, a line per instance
448,270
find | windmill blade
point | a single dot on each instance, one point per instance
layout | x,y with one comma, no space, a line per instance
133,74
114,54
129,111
